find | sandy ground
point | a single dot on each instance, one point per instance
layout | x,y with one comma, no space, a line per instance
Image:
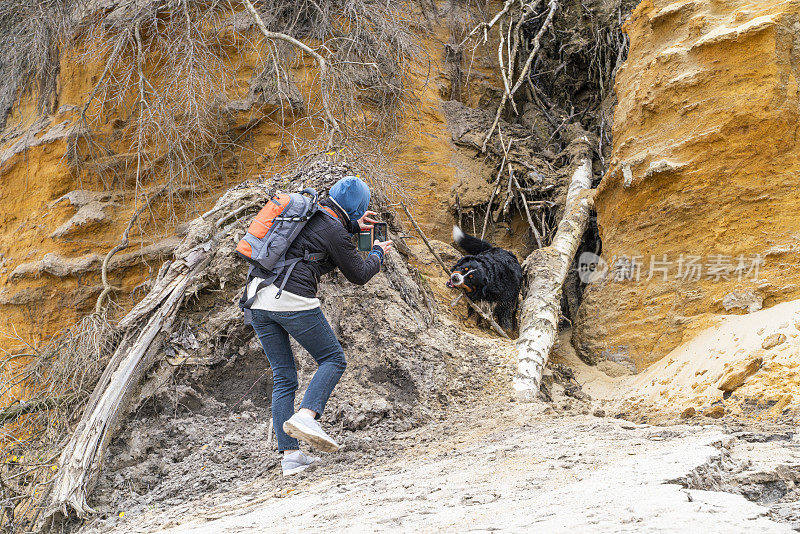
747,366
480,462
514,468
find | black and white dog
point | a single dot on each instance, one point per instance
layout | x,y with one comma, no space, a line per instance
489,274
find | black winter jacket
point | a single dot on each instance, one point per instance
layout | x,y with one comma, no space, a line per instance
324,233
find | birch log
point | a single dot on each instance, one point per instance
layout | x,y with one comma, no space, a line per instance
546,269
82,458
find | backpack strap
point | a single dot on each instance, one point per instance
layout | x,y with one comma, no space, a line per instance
307,257
329,211
266,279
289,265
247,303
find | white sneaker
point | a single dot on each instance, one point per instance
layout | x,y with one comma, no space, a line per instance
296,462
306,428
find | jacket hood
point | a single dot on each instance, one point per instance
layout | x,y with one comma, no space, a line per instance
344,218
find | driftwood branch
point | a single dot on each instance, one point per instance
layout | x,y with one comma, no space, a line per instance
469,301
82,458
546,270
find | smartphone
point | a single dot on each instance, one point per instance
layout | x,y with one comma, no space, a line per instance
366,238
380,232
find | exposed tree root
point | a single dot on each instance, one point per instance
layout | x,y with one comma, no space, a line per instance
14,411
508,95
333,124
123,244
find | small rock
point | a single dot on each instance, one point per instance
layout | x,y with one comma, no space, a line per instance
715,412
736,377
746,299
599,413
627,175
613,369
773,341
688,413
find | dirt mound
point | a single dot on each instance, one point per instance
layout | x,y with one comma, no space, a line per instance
203,417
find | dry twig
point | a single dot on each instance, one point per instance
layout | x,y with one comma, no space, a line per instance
333,124
537,42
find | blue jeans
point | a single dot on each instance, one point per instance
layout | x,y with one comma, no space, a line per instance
312,331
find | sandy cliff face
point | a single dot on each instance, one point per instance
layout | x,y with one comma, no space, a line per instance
57,224
698,211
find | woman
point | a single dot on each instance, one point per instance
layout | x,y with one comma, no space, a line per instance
295,312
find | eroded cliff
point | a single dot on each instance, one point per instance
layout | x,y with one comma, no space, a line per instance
67,195
697,212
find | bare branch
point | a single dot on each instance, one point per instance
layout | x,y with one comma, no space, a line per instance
323,65
509,95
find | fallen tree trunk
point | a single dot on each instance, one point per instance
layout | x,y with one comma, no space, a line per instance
82,458
546,269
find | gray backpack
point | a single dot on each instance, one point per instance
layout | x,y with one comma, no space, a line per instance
269,237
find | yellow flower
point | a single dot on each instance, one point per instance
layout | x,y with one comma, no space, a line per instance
54,467
122,514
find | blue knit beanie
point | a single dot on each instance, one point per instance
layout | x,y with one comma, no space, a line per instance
352,194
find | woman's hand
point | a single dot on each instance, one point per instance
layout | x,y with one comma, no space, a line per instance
385,245
366,221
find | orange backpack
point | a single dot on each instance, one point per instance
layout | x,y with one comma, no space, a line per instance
269,237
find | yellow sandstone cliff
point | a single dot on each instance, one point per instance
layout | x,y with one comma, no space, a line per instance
57,223
698,211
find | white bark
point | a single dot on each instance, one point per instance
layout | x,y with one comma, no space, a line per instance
546,270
